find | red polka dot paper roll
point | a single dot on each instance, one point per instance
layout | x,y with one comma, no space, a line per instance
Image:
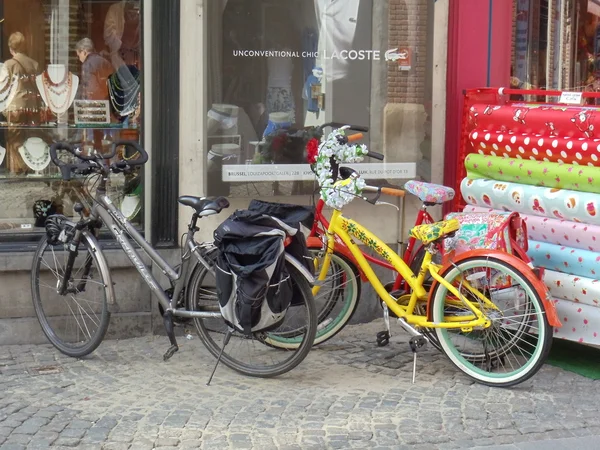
574,288
535,147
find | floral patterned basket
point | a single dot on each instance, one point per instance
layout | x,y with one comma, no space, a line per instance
505,231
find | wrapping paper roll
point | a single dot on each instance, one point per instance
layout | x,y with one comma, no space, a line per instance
580,323
577,206
573,288
569,260
554,231
546,120
534,173
536,147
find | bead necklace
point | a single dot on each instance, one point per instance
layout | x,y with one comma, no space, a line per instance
49,86
36,160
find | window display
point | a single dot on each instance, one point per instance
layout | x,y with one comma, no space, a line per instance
278,70
69,71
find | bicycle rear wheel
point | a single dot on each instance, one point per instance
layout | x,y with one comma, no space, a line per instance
75,323
255,355
517,343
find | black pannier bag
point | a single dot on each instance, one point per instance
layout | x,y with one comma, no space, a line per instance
253,286
293,216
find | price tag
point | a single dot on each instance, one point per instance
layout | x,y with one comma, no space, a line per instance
26,226
571,98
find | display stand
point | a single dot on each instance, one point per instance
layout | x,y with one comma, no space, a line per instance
58,87
35,154
537,153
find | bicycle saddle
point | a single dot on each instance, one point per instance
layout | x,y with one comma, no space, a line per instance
205,206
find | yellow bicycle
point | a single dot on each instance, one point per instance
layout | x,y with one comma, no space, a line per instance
490,313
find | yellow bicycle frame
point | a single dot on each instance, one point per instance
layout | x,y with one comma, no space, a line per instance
346,229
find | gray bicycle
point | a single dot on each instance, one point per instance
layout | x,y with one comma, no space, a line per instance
73,293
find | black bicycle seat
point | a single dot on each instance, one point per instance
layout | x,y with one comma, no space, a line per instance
205,204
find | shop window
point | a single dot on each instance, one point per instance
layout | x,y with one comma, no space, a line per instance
277,69
71,72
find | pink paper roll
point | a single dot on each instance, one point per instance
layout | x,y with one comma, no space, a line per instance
555,231
580,323
536,147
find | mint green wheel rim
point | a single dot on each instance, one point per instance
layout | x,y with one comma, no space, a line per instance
453,352
348,301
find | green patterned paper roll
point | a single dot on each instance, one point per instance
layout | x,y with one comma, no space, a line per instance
533,173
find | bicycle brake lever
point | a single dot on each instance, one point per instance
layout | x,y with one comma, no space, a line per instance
386,203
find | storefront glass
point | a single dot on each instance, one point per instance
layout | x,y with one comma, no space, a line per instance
277,70
556,44
71,72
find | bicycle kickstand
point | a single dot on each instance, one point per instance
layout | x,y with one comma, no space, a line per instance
168,321
416,343
225,342
383,337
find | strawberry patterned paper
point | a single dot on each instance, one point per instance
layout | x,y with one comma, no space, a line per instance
535,173
583,207
580,323
573,288
565,259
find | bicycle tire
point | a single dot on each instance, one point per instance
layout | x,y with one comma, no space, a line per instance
346,290
523,296
298,354
50,321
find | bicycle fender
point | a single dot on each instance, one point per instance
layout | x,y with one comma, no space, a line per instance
526,270
313,242
303,270
103,266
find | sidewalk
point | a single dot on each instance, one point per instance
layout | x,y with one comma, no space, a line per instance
348,393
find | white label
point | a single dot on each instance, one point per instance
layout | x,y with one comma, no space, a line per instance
571,98
302,172
26,225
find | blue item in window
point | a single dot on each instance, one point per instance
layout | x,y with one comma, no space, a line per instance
313,104
272,127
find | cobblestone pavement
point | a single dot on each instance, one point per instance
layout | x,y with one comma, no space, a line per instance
347,394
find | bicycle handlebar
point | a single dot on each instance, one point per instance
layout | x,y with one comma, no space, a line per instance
95,161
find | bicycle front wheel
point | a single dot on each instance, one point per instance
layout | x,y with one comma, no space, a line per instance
518,341
76,322
255,355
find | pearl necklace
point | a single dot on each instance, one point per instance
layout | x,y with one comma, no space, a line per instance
60,89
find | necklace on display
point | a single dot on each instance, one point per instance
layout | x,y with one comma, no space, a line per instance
35,154
62,90
2,154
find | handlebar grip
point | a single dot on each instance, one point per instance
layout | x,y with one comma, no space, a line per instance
359,128
127,143
393,192
355,137
60,146
375,155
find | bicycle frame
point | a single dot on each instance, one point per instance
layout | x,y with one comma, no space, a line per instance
119,227
321,224
344,228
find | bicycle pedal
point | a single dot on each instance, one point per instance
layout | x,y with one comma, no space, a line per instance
417,343
170,352
383,338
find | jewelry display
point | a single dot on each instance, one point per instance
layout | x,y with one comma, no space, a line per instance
57,87
35,154
2,154
8,87
123,89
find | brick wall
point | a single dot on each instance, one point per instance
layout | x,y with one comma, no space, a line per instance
407,23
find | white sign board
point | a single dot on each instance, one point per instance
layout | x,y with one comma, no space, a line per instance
302,172
571,98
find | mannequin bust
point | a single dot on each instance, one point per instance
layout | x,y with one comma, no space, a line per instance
222,117
228,110
35,154
277,121
57,87
2,154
